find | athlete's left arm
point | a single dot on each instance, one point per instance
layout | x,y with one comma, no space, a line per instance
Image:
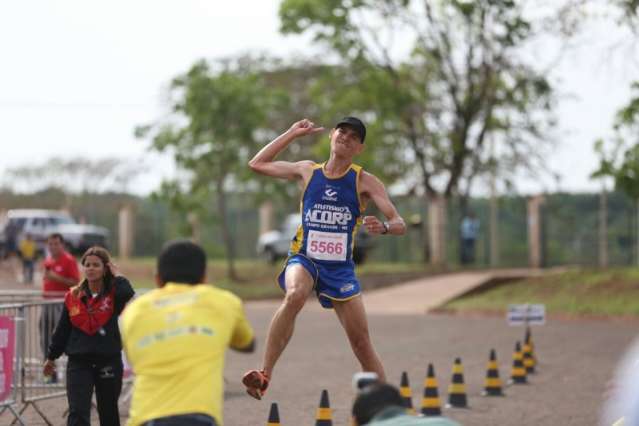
374,190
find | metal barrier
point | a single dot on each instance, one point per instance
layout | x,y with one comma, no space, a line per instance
35,322
35,319
19,296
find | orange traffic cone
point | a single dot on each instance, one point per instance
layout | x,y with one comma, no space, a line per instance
518,372
273,416
323,416
492,384
457,388
430,402
407,395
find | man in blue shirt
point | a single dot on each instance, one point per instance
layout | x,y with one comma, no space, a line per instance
469,233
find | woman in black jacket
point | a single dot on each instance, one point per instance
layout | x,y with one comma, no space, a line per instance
88,333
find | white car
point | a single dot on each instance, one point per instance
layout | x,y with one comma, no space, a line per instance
40,223
273,245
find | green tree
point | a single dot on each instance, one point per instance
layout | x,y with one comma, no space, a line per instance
619,159
437,81
217,112
461,82
74,176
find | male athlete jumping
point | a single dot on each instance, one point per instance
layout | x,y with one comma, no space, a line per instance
334,197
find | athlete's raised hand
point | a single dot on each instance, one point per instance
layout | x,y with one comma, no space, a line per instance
304,127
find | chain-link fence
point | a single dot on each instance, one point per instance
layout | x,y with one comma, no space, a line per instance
570,229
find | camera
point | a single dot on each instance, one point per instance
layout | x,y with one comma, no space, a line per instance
364,378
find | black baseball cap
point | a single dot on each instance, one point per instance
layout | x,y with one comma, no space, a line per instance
356,124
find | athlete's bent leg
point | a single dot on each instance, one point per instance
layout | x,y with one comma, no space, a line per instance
352,315
299,285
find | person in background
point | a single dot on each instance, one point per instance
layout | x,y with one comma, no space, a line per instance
175,338
28,251
11,234
469,232
60,273
88,333
380,404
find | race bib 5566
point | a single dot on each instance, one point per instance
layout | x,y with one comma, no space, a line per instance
327,245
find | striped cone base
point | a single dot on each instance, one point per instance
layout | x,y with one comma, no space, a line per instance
528,340
407,396
457,388
492,384
273,416
323,416
518,372
431,406
529,362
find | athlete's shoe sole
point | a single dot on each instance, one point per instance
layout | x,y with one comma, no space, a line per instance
256,383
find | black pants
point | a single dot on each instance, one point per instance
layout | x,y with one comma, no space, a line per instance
84,373
468,250
183,420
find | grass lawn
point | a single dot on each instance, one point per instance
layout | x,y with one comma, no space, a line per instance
258,278
582,292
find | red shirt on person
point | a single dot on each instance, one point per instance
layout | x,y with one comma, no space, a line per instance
66,266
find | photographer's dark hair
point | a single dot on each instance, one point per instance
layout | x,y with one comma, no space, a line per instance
182,261
105,257
373,399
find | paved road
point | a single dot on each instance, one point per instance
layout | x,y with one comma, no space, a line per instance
424,294
576,361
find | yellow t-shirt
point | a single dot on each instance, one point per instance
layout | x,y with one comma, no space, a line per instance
175,338
27,249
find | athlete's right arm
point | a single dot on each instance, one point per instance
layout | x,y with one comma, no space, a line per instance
263,162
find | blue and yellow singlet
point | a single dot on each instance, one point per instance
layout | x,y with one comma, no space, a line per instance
331,215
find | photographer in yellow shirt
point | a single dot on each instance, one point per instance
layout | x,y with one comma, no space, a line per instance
175,338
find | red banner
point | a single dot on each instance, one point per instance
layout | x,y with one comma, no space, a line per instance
7,353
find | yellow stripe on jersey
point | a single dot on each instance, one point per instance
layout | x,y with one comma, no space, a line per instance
358,170
296,244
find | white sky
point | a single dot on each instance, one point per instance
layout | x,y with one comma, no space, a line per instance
77,76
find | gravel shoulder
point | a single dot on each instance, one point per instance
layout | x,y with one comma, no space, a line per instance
576,361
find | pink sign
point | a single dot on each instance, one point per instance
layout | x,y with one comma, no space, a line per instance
7,353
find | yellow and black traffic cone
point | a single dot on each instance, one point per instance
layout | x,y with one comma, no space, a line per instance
273,416
323,417
530,361
407,395
518,372
430,402
492,384
457,388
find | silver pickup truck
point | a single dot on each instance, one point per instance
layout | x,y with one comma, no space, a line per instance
42,223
